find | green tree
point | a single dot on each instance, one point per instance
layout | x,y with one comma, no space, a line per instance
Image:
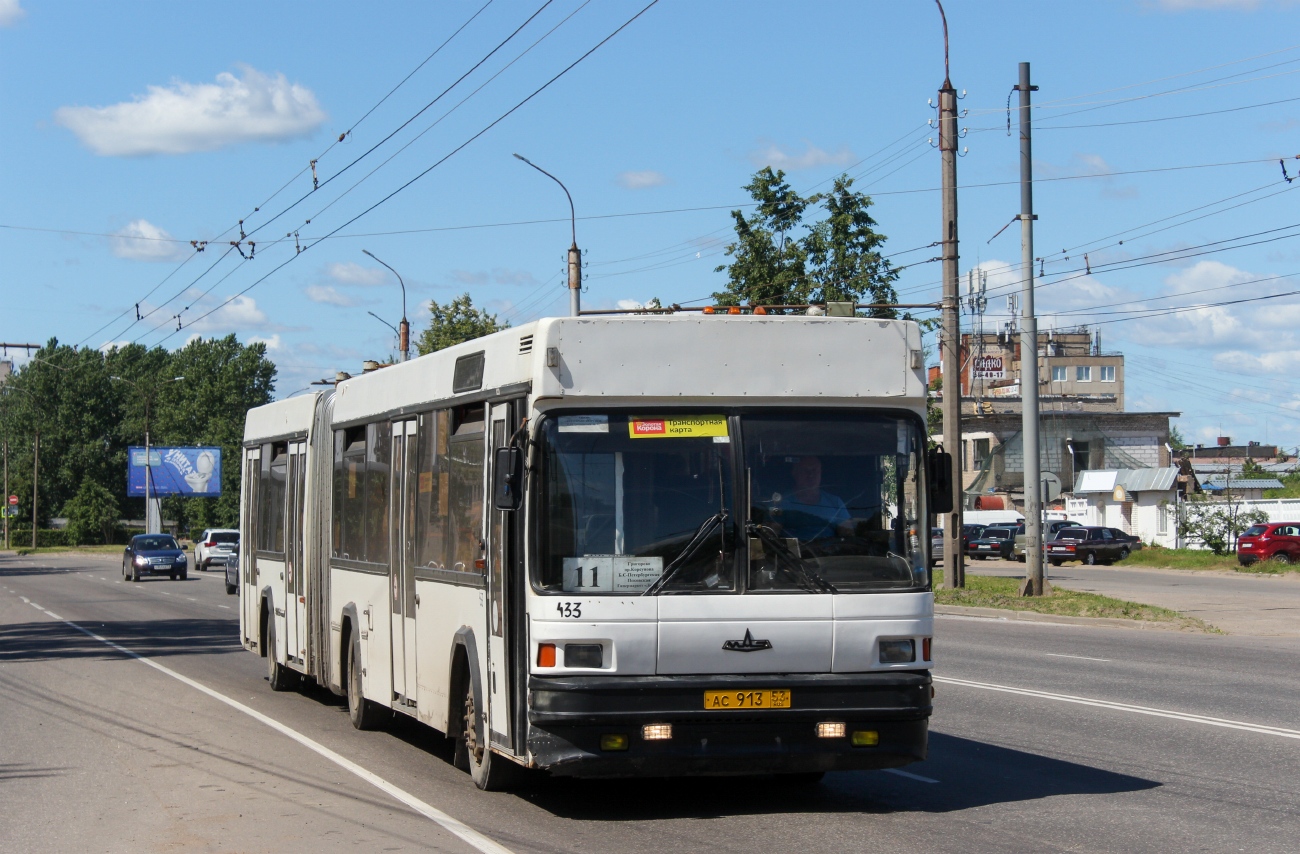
92,514
454,323
1290,487
778,259
1176,440
1216,524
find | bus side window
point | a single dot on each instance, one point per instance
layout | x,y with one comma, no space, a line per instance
431,491
465,499
350,503
379,443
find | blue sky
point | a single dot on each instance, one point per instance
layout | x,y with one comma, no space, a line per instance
171,122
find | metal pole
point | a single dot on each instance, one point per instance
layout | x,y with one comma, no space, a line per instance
36,467
6,495
575,255
954,560
148,476
1029,353
404,328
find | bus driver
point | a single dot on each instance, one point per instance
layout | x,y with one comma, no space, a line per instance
809,512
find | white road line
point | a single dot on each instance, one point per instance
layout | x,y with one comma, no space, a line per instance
227,607
1083,657
1125,707
909,775
164,592
191,598
469,835
25,599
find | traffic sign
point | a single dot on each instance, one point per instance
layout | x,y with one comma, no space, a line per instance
13,499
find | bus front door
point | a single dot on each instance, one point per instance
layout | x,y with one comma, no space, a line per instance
295,602
250,535
401,565
500,553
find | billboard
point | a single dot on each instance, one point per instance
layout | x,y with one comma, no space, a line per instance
194,472
987,368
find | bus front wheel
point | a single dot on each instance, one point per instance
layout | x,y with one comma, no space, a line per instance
365,714
490,772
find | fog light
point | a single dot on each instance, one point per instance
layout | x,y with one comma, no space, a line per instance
582,655
546,655
830,730
897,651
613,742
657,732
865,738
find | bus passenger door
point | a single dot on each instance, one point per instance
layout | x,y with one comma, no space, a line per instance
500,553
295,607
249,537
401,580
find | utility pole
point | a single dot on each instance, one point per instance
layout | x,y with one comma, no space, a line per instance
36,467
6,492
575,255
1029,354
954,558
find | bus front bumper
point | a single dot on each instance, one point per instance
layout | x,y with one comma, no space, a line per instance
570,716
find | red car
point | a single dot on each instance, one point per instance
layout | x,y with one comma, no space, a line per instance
1278,541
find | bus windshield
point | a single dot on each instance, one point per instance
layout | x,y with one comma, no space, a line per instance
646,504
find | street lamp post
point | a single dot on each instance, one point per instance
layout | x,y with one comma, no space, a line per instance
404,328
152,521
575,256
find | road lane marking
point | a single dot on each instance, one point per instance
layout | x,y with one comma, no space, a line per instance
909,775
227,607
1083,657
1227,723
467,834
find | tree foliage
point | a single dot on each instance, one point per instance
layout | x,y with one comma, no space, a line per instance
778,259
86,419
1216,524
454,323
92,514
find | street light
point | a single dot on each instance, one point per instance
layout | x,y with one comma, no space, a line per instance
575,257
390,326
148,467
404,335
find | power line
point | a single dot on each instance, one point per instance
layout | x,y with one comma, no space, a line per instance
438,163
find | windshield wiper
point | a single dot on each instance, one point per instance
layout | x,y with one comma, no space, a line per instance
701,534
788,562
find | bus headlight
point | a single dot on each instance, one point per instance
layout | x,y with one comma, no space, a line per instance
897,651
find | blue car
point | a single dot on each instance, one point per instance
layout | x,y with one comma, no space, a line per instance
154,554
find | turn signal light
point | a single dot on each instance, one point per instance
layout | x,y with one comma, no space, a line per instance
708,309
830,730
613,741
865,738
925,649
735,309
546,655
657,732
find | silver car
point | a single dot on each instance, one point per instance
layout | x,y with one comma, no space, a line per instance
213,546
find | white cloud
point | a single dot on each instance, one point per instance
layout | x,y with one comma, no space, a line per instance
496,276
777,157
141,240
329,296
273,344
352,273
241,313
187,117
642,180
1278,362
10,13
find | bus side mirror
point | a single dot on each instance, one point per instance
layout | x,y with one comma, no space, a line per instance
939,478
509,475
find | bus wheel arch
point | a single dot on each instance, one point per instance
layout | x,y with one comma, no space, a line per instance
464,677
264,612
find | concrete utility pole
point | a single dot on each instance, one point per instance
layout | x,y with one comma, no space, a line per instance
1029,354
36,468
575,255
954,558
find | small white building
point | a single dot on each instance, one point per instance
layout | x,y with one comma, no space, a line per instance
1141,502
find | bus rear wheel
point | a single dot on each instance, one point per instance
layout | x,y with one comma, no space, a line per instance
365,714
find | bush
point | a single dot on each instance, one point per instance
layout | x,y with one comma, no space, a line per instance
1217,524
45,538
92,514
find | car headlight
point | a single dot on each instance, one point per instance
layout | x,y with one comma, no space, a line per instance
141,560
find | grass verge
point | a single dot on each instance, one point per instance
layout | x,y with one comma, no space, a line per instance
1201,559
987,591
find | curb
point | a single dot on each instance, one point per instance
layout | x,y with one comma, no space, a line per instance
1035,617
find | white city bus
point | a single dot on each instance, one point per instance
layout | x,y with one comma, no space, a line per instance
612,545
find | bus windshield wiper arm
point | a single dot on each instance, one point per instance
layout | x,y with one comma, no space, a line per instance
787,560
701,534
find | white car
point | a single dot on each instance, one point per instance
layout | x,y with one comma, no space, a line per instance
216,543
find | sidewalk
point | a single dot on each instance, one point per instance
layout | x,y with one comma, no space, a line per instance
1236,603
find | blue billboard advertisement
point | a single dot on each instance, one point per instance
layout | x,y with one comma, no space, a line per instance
194,472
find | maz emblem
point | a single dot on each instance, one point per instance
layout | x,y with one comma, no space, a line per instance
748,644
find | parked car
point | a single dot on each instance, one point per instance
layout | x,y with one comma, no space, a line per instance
1049,533
154,554
969,534
215,542
936,546
1087,543
1134,542
232,571
1276,541
996,541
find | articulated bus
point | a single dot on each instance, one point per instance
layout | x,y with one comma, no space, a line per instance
636,545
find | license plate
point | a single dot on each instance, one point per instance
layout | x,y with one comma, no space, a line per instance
770,698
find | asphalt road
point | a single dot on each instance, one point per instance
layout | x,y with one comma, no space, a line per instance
1045,738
